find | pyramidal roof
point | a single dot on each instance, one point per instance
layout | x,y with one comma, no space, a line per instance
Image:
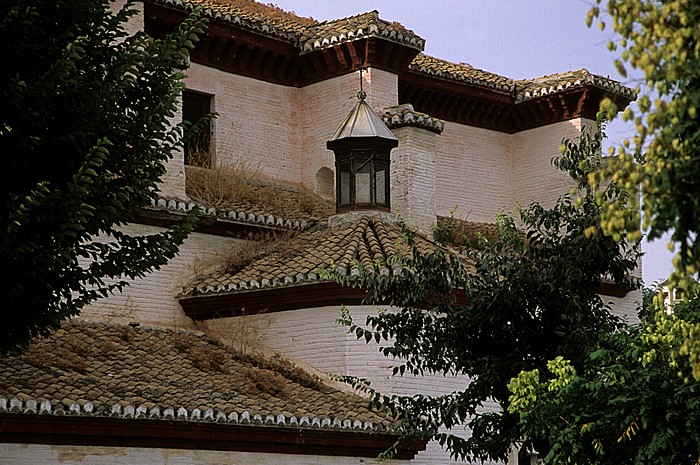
362,122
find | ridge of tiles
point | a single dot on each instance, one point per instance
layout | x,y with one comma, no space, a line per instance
461,72
405,115
367,244
523,89
251,214
369,24
106,370
528,89
306,33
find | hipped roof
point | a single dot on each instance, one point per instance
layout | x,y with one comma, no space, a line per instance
151,387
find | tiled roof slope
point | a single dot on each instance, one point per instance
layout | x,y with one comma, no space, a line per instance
103,370
244,213
329,33
463,231
237,197
306,33
522,90
425,64
268,20
528,89
369,243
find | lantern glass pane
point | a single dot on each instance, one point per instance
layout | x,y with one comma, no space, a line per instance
344,189
381,181
363,182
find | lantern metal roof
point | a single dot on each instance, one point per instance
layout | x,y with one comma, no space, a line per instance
362,122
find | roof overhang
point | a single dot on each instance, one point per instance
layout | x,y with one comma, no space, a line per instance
496,110
149,433
278,299
244,52
311,295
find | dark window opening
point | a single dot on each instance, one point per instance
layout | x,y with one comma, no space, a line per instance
196,106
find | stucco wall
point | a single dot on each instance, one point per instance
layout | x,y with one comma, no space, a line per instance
32,454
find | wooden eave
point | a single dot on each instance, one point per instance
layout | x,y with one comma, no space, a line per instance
486,108
313,295
275,299
171,434
246,53
278,299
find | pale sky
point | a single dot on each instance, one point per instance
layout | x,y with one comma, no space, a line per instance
519,39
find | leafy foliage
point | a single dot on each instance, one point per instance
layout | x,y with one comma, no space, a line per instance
85,130
662,39
632,401
508,305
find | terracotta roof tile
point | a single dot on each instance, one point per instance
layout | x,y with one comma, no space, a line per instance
461,72
248,213
248,14
307,33
330,33
374,244
94,369
522,90
405,115
528,89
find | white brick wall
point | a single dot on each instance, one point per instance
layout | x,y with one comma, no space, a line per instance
413,177
150,300
257,126
472,166
32,454
282,131
532,175
313,337
484,172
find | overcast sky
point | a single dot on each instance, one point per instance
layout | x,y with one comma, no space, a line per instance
515,38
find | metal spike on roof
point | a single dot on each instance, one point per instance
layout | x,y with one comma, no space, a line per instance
362,122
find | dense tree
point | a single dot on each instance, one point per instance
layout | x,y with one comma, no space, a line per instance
632,402
85,130
524,298
662,39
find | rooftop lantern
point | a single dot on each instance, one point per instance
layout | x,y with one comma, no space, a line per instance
361,146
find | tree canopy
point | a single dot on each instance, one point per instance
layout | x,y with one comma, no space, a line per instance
662,39
85,131
633,401
530,296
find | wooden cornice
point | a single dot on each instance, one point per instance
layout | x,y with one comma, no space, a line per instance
275,299
313,295
169,434
246,53
278,299
490,109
